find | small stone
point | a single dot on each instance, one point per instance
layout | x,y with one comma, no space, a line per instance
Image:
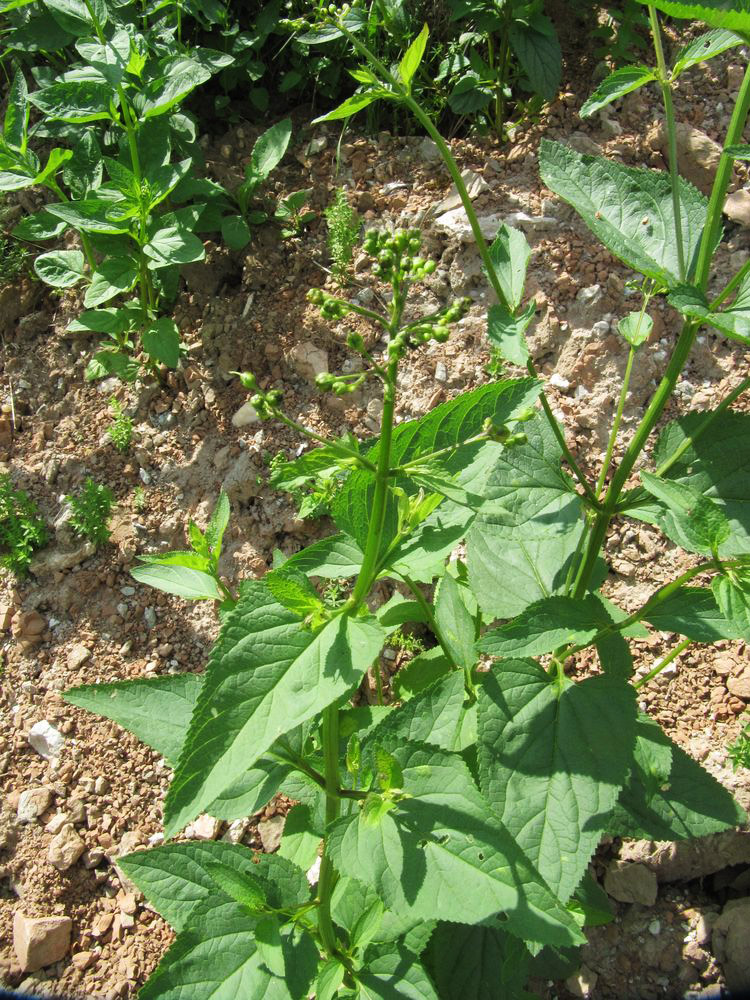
631,882
58,821
46,740
245,416
441,372
654,928
204,828
270,831
475,185
149,617
739,685
83,959
40,941
731,934
735,75
737,207
583,983
428,150
78,655
308,360
32,803
559,382
101,786
237,830
65,849
102,924
128,903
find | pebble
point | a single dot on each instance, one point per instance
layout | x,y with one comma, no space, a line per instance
40,941
270,831
441,372
559,382
144,477
78,655
149,617
245,416
46,740
631,882
65,849
32,803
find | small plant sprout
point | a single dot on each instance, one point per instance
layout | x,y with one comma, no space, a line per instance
739,751
343,232
291,214
139,500
120,431
192,573
90,511
21,528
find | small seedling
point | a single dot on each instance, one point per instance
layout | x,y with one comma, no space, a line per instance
406,642
21,528
14,261
291,215
312,494
192,573
343,232
739,751
90,512
139,499
121,429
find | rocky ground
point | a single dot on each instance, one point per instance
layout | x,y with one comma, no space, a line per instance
78,792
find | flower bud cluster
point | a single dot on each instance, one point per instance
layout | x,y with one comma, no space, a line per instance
438,328
266,403
339,385
396,255
502,434
331,308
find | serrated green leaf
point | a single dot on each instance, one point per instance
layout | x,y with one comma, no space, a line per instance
635,328
333,558
733,321
300,840
456,626
628,208
693,612
442,854
60,268
156,709
218,524
265,676
507,333
76,102
689,803
623,81
591,902
716,13
293,589
439,715
703,48
412,58
181,580
176,878
510,252
352,105
396,975
330,977
16,119
692,520
243,888
733,599
477,963
537,49
552,761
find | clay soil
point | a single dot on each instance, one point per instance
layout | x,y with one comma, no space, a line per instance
248,311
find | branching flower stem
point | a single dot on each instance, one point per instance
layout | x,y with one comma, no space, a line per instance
424,119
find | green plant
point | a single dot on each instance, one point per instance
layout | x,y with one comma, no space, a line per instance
739,751
406,642
14,261
311,491
289,213
139,500
120,431
192,573
21,528
343,232
90,511
457,825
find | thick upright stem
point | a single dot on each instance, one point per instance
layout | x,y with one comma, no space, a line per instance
327,879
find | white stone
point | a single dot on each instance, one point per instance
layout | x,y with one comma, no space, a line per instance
46,740
245,416
559,382
203,828
65,849
78,655
456,223
475,185
308,360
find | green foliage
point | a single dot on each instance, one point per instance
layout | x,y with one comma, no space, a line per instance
739,751
457,821
139,499
120,431
14,261
21,528
90,511
343,233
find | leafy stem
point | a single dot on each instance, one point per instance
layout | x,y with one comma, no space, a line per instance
663,663
616,423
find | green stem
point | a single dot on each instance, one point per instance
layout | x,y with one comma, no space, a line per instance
672,655
616,425
335,446
327,879
666,93
730,286
85,241
377,670
435,629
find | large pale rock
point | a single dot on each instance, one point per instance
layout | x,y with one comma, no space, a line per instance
40,941
308,360
32,803
630,882
245,416
78,655
737,207
685,860
270,831
59,559
475,185
66,848
697,153
731,944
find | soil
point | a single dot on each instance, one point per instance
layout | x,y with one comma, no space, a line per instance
248,310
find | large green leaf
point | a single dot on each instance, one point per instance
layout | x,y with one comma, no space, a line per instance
553,758
266,674
90,215
455,623
161,341
716,13
395,975
16,118
538,51
506,332
176,881
110,58
413,57
184,581
270,147
669,796
704,47
439,714
173,245
114,276
510,252
441,853
77,102
177,77
628,208
477,963
332,558
156,709
60,268
694,613
77,17
691,519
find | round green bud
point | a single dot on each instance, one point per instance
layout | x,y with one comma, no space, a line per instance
414,245
324,380
339,387
316,296
430,267
248,381
355,341
257,401
441,334
274,397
